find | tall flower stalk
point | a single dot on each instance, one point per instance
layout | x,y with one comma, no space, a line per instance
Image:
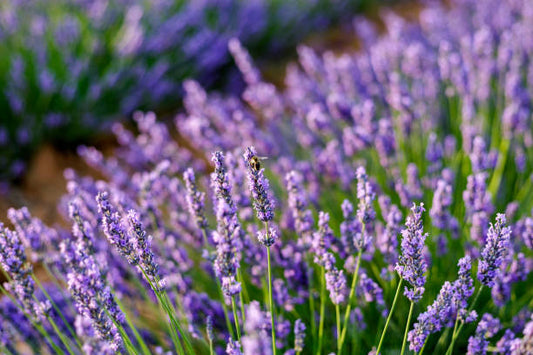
227,237
263,205
196,205
492,256
411,267
356,233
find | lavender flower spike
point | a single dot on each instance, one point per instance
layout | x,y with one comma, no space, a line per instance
488,327
228,249
219,179
259,186
142,244
233,347
14,262
451,303
114,230
299,335
195,199
411,265
298,203
366,196
494,251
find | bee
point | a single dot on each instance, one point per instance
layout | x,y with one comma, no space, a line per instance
255,162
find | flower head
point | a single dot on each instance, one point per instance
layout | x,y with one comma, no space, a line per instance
411,265
299,335
259,186
195,199
494,251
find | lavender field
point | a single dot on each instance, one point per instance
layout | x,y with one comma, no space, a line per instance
377,200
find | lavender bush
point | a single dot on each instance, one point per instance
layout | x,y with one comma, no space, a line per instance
69,67
324,218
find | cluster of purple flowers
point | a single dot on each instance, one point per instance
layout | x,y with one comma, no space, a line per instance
316,256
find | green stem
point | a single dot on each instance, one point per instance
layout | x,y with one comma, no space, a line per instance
271,299
338,316
389,316
162,299
500,168
235,319
423,346
241,296
455,333
222,299
36,324
312,312
322,311
61,336
350,298
140,340
54,305
450,349
407,327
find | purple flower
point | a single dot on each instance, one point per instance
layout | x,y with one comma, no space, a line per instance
91,295
353,234
35,236
298,203
299,335
514,268
387,239
244,62
506,341
524,345
195,199
439,213
233,347
143,247
209,328
463,288
114,229
370,290
451,302
257,335
494,251
366,196
438,315
219,180
259,186
322,239
411,265
478,206
14,263
335,280
267,238
487,327
228,248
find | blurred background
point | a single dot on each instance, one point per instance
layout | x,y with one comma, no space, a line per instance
70,68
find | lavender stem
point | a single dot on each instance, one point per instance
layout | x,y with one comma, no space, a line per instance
407,327
389,316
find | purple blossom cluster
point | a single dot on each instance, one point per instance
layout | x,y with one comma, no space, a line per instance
411,265
487,327
450,304
493,253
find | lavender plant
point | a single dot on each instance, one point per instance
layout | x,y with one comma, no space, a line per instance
299,258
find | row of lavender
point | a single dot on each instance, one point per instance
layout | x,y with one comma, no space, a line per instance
68,67
383,169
